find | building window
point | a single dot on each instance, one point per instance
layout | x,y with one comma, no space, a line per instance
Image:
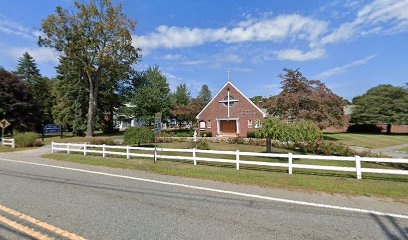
258,123
202,125
209,124
231,101
250,123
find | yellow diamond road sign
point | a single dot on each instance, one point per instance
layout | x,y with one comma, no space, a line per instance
4,123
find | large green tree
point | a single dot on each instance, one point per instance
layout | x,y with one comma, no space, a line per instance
16,102
97,37
205,94
304,99
384,104
182,96
41,87
151,94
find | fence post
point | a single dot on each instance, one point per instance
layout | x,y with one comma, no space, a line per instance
290,160
13,143
84,149
52,147
237,158
68,148
127,152
194,157
358,167
103,151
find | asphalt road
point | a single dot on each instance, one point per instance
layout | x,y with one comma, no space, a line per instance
106,207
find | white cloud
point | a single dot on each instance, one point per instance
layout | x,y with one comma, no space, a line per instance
279,28
377,18
11,27
40,55
173,57
299,55
343,68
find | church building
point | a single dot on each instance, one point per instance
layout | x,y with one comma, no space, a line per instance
230,113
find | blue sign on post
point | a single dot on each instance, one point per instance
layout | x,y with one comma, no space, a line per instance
52,128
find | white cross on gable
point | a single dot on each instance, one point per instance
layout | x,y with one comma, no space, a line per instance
229,101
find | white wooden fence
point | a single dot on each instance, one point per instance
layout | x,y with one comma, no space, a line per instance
9,142
127,151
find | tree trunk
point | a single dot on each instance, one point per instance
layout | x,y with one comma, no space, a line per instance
388,128
268,145
93,98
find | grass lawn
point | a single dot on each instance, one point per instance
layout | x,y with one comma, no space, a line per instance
379,185
9,149
403,149
367,140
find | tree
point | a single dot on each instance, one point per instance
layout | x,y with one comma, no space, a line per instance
189,111
205,94
16,101
97,37
151,94
182,95
28,71
384,104
71,97
303,99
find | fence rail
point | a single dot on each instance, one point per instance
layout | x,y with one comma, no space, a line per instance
8,142
127,151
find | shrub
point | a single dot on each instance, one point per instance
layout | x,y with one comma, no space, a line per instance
101,141
251,134
25,139
206,134
184,134
203,145
138,135
364,128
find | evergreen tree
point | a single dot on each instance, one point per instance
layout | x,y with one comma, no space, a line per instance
28,71
205,94
182,95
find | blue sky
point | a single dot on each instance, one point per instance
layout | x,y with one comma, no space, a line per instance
351,45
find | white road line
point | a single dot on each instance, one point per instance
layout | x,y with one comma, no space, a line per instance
219,190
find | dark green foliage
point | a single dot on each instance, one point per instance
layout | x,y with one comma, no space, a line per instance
138,135
40,86
384,104
206,134
205,94
184,134
203,145
251,134
364,128
279,130
16,102
182,95
27,139
151,94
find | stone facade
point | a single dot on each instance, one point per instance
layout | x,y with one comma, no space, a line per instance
230,113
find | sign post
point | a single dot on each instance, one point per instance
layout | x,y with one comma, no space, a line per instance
157,130
3,124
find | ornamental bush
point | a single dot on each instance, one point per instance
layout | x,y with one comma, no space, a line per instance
27,139
203,145
138,135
